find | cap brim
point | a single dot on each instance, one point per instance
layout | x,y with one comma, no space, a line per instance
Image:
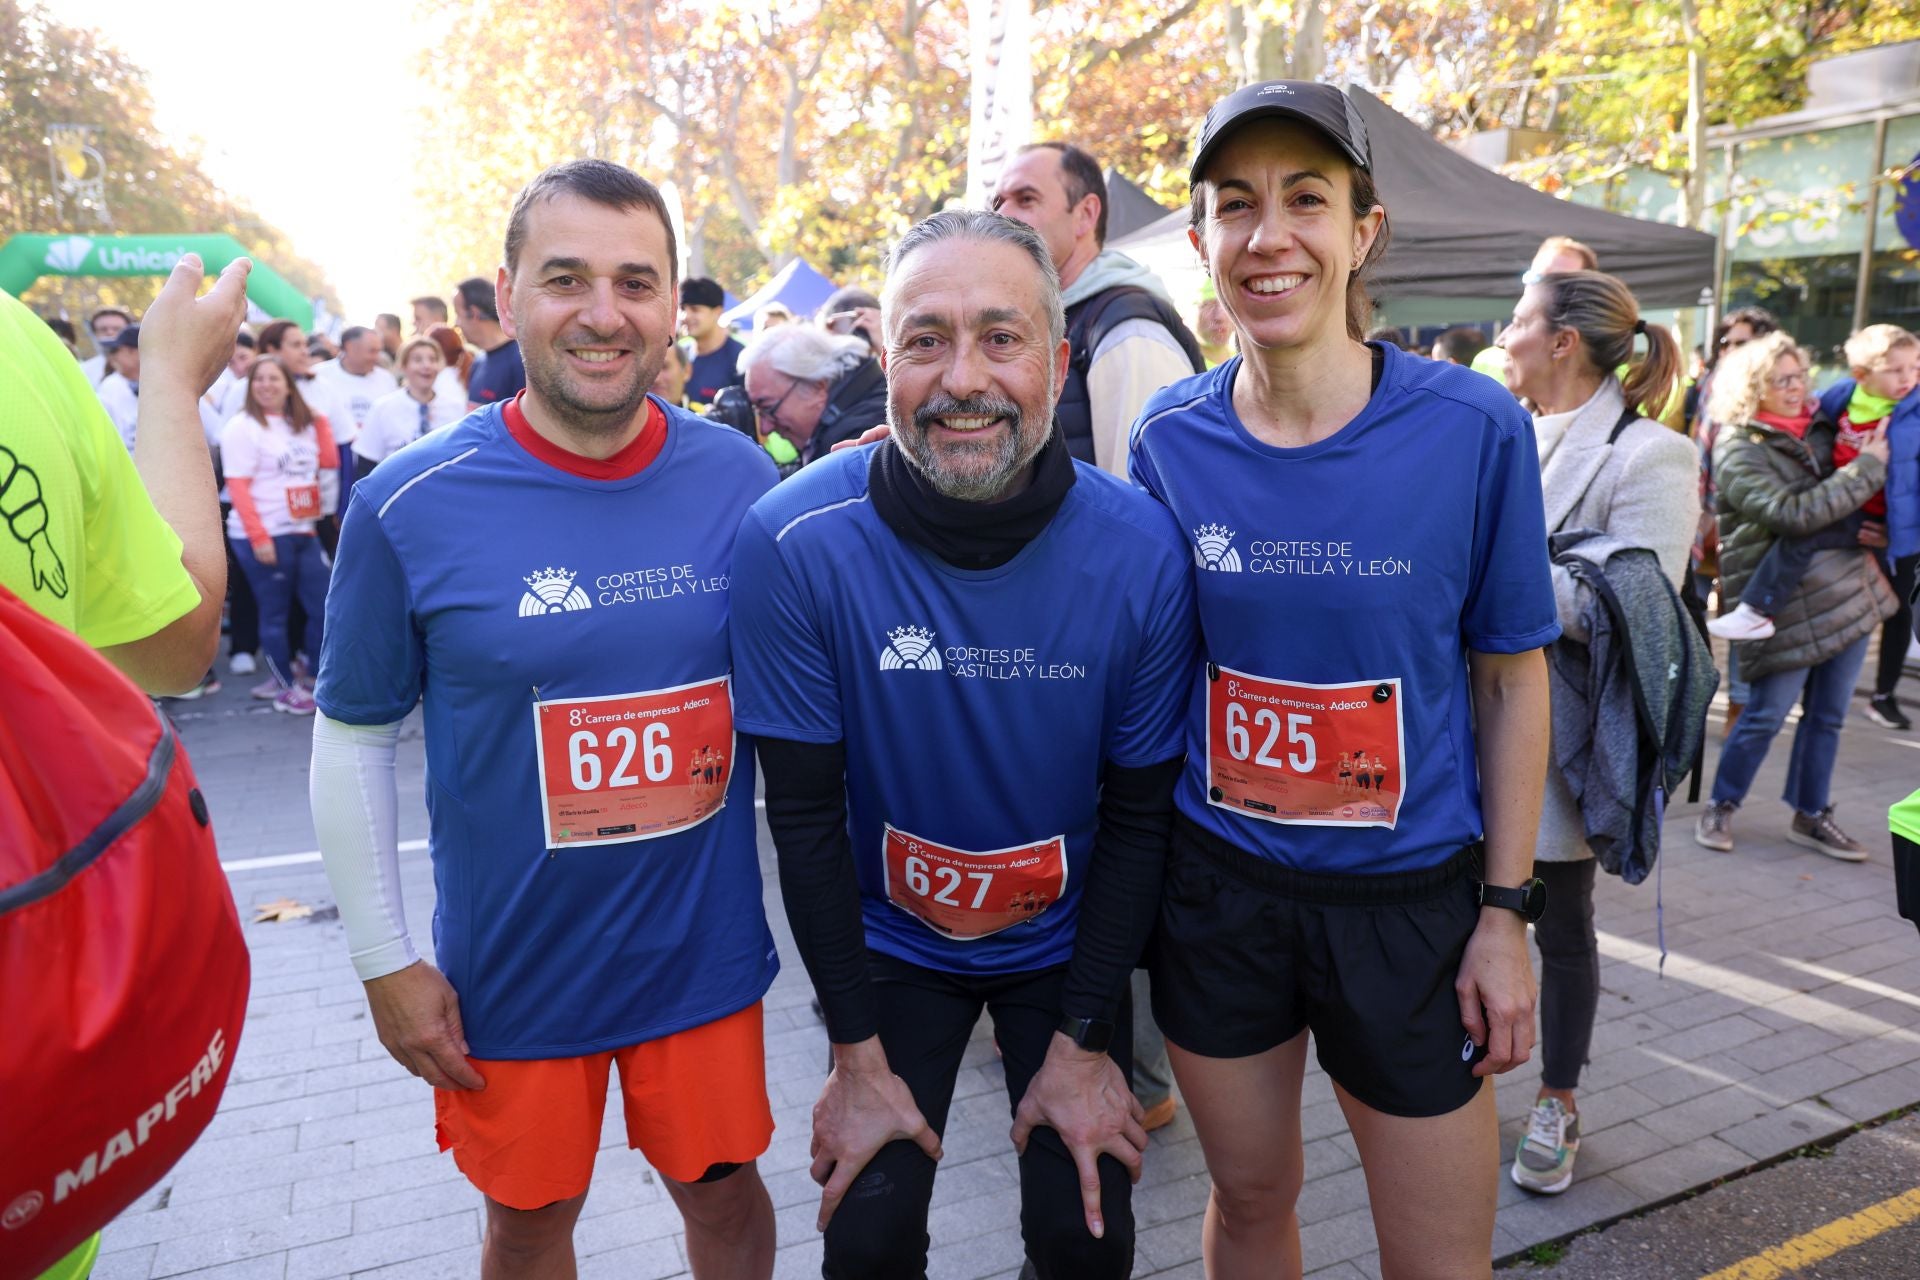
1263,112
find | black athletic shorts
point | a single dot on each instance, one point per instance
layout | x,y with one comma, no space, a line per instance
1248,953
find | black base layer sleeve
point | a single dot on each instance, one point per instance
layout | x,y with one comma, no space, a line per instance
806,789
1123,885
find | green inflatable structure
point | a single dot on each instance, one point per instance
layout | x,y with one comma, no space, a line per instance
25,258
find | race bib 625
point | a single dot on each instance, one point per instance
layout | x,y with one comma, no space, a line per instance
1310,754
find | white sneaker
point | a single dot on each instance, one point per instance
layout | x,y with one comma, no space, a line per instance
1744,623
242,664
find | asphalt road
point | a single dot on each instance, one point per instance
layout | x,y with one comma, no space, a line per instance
1740,1220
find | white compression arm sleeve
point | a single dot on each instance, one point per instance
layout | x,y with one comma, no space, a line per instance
356,815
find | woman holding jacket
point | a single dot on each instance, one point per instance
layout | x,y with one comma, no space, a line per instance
1569,332
1773,468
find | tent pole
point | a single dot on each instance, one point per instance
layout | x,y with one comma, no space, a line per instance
1860,286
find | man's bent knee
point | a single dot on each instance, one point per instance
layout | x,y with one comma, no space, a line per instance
532,1231
724,1199
879,1231
1068,1251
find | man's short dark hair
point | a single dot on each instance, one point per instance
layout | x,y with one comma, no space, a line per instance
354,331
699,291
386,318
476,294
1461,344
434,306
603,183
107,311
243,339
1084,178
63,329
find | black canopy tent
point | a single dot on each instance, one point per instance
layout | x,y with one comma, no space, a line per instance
1463,231
1460,231
1128,207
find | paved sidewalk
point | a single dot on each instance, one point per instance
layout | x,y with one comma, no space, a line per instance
1787,1013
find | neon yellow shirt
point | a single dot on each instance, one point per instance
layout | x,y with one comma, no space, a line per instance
80,540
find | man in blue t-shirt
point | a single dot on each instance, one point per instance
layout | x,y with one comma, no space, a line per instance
498,373
598,891
970,746
716,352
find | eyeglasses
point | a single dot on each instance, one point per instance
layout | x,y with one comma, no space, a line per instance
1787,379
771,411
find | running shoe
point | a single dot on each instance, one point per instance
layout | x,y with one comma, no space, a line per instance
1744,623
295,702
1821,832
1543,1162
209,683
267,690
1715,829
242,664
1885,711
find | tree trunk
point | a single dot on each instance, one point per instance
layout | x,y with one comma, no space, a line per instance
1261,53
1310,43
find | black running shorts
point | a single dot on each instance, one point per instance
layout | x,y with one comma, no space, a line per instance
1248,953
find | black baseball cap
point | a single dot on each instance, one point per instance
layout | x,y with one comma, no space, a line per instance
698,291
128,339
1323,106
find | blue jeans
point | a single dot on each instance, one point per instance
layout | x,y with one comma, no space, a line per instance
1828,688
301,570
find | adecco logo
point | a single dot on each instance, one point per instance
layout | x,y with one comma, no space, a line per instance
68,254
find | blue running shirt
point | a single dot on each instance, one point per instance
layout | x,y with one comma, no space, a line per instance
1340,586
594,854
977,707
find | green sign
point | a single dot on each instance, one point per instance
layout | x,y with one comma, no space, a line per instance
25,258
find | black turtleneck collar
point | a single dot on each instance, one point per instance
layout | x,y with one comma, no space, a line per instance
968,535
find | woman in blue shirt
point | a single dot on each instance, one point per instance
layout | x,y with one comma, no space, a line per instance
1373,584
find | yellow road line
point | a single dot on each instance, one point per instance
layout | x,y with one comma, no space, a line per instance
1824,1242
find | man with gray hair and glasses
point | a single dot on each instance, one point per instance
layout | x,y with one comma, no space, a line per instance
813,389
964,656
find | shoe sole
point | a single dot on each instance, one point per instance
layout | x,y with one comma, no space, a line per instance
294,711
1885,723
1704,843
1550,1189
1838,855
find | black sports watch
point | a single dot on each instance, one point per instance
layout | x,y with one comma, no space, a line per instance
1530,899
1091,1034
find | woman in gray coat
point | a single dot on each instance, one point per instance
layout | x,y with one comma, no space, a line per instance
1773,466
1570,333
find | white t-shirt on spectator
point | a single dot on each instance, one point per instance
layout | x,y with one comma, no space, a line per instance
122,402
448,384
95,367
326,397
284,468
394,422
354,393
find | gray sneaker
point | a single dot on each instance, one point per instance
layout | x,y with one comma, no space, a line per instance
1823,833
1715,829
1544,1160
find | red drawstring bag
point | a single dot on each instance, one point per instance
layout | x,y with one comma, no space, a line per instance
123,973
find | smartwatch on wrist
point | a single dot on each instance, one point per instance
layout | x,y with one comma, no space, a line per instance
1529,900
1091,1034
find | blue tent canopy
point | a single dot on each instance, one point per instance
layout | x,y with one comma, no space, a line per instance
797,285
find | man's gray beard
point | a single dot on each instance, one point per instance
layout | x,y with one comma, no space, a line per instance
1011,456
589,420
